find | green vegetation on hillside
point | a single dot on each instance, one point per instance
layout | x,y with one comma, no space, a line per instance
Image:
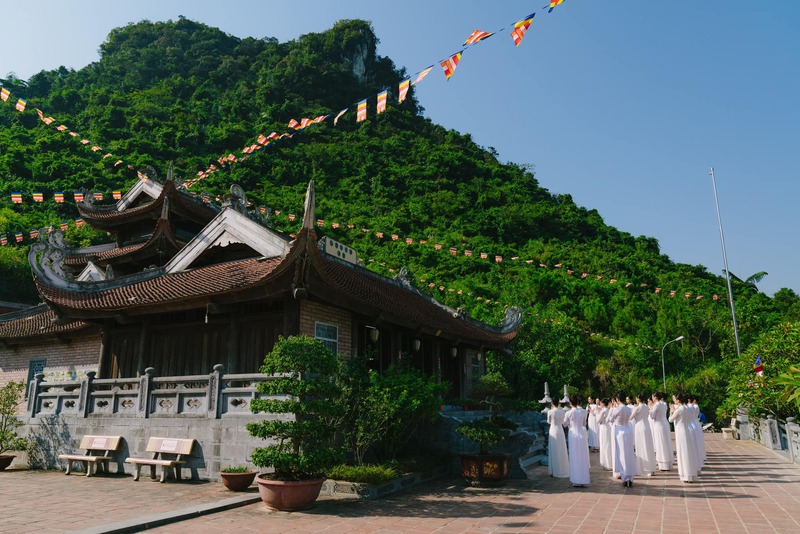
185,92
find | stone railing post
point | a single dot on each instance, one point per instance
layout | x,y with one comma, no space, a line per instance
86,391
214,391
145,385
773,440
33,394
793,437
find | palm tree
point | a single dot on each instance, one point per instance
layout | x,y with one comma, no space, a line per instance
750,282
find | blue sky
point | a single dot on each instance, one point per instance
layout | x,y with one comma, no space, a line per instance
624,105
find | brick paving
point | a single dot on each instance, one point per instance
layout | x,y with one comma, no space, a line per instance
744,488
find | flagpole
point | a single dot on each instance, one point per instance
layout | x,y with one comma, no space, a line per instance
725,261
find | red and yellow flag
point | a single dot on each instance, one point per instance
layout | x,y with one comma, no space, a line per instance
59,197
38,197
449,65
402,90
21,105
477,36
4,94
339,116
16,198
382,101
361,114
421,75
520,28
116,194
294,125
554,3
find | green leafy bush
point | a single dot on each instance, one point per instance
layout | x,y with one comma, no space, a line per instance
366,474
483,432
236,469
302,447
10,440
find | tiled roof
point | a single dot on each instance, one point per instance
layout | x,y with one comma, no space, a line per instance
35,322
200,282
82,259
409,304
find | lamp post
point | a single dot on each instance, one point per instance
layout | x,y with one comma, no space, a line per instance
663,371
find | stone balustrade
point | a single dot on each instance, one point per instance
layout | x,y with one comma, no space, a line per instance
213,396
783,438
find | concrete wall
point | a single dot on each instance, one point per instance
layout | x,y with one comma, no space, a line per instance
220,442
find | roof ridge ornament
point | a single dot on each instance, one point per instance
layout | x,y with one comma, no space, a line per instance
310,208
53,253
237,199
404,277
169,172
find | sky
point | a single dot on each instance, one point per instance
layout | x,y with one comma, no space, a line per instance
624,105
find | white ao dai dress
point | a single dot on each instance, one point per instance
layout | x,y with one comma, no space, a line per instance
685,444
575,420
558,459
606,461
697,432
594,427
624,458
662,436
643,439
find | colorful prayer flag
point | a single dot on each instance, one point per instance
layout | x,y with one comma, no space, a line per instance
59,197
477,36
3,240
320,223
498,259
262,139
64,226
292,216
520,28
294,125
96,148
61,128
467,253
449,65
361,115
73,134
421,75
84,141
339,116
395,237
18,237
78,222
402,90
305,123
78,196
98,196
273,135
382,101
757,367
484,255
16,198
20,105
321,118
4,94
34,233
48,120
38,197
554,3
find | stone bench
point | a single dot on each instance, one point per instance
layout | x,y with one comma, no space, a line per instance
98,451
168,453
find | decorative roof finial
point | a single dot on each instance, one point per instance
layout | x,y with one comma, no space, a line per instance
169,172
309,216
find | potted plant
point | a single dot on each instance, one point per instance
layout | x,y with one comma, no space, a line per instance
485,468
302,390
10,396
237,478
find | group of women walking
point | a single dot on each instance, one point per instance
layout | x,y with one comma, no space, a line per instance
632,439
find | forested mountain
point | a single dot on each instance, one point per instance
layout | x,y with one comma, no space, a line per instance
186,92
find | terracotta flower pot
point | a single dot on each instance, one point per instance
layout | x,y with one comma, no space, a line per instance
288,495
5,460
237,481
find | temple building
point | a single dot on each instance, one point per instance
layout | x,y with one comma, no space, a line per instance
188,284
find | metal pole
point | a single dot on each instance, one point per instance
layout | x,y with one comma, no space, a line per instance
725,261
663,370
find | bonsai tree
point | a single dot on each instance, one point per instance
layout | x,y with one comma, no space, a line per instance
10,396
304,371
483,432
492,385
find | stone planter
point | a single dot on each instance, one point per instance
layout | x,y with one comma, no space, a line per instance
490,470
237,481
5,460
287,495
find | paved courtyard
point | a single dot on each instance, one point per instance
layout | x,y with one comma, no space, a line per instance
744,488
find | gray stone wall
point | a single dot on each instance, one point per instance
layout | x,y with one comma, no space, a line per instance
220,442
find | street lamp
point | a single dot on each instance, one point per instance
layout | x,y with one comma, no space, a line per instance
663,372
